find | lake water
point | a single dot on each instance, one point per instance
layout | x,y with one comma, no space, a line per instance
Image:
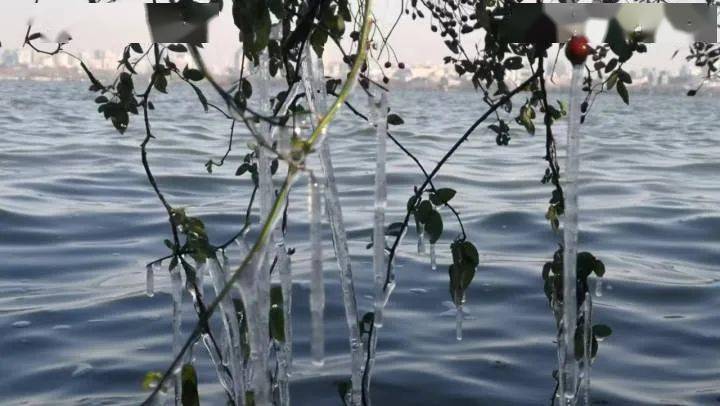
79,221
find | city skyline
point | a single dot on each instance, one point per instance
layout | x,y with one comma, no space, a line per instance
91,29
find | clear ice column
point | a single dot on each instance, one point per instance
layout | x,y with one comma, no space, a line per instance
314,82
569,371
317,285
380,112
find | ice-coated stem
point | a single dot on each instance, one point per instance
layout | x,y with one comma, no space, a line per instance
342,253
318,104
285,354
459,322
176,293
568,364
317,286
587,347
257,374
380,113
234,356
266,190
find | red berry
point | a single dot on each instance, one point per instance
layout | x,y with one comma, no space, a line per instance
577,49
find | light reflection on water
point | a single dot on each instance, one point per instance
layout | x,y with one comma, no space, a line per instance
79,222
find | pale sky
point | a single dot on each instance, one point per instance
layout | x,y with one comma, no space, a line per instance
95,26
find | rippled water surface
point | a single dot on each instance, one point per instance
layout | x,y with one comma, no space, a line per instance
79,221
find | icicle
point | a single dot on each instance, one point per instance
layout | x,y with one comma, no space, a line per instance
226,380
421,239
433,259
258,333
285,354
568,373
266,191
459,322
587,347
317,286
234,357
316,88
342,253
200,271
176,293
150,278
380,112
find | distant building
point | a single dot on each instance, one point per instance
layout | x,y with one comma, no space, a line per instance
9,58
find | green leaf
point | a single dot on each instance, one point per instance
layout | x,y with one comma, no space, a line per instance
201,96
611,65
34,36
277,317
177,48
101,99
249,398
563,107
173,263
599,268
242,169
160,82
394,229
611,80
616,39
193,74
470,254
245,88
622,91
513,63
318,39
152,380
412,202
424,211
434,226
394,119
136,47
190,395
442,196
601,331
624,76
277,8
343,387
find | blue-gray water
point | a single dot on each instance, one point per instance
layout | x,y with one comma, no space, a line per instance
79,221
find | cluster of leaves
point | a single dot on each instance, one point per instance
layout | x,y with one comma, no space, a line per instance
587,264
197,243
707,57
250,166
426,215
118,100
429,221
315,20
608,68
552,272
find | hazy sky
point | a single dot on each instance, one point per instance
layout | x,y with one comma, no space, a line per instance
105,26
